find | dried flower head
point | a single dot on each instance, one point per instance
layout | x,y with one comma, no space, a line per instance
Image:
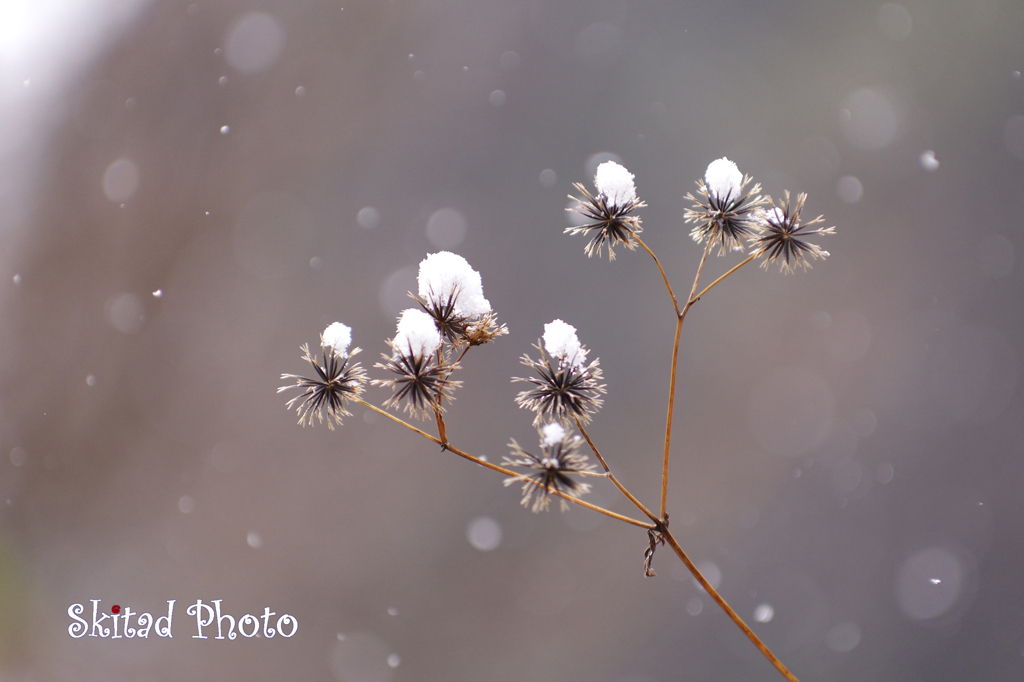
551,471
566,386
451,292
609,214
483,329
338,380
724,210
422,381
781,235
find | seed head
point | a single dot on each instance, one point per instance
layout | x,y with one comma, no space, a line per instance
724,210
551,471
781,235
565,387
610,212
337,380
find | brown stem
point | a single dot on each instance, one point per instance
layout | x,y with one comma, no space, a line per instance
672,380
694,299
611,476
503,470
664,277
762,647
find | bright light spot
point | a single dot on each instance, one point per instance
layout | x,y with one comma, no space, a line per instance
711,573
849,189
393,294
497,98
599,45
300,91
124,312
254,42
16,279
484,533
255,541
446,228
870,119
894,21
186,504
929,583
843,637
90,380
224,130
120,180
368,217
394,660
361,657
595,160
18,457
928,161
223,80
694,606
548,177
509,60
159,293
764,613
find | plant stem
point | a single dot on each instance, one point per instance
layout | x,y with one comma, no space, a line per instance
503,470
708,288
762,647
611,476
664,277
680,316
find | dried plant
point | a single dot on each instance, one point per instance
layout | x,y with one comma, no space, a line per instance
453,316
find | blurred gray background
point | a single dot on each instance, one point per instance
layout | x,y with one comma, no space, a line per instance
849,452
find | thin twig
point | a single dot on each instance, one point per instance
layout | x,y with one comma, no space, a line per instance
503,470
664,277
694,299
672,380
611,476
762,647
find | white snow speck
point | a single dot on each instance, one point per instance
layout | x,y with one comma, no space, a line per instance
338,336
928,161
615,183
552,434
443,273
159,293
560,342
416,332
723,179
224,130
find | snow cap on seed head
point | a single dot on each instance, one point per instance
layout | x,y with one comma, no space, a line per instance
416,331
615,183
723,179
560,341
443,273
552,434
339,337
